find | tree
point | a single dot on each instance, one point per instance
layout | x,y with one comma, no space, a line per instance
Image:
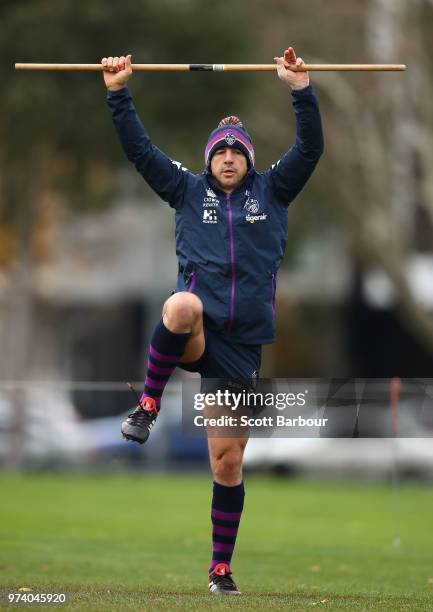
57,141
376,177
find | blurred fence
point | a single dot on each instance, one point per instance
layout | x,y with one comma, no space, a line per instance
41,428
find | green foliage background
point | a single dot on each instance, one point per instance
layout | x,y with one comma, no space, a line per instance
62,117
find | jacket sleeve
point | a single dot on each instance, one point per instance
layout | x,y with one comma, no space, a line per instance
165,176
289,175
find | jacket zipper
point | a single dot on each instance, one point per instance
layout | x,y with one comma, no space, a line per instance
232,263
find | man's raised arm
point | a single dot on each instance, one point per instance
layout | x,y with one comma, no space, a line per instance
163,175
289,175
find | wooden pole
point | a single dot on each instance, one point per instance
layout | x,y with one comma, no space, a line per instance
217,67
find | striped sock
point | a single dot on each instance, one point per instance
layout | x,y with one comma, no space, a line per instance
227,505
166,350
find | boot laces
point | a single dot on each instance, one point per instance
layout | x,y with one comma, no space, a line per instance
145,413
224,579
141,417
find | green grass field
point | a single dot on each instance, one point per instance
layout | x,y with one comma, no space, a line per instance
143,543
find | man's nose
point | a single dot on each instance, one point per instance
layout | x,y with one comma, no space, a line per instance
229,156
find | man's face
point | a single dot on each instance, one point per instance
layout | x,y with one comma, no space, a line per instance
229,167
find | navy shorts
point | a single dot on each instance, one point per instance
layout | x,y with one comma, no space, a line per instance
226,360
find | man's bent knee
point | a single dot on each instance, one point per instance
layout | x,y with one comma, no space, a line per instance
181,311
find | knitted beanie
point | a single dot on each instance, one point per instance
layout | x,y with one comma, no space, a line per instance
230,133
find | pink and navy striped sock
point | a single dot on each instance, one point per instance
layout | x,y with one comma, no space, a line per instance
165,352
227,505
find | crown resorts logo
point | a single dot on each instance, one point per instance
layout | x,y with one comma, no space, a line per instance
210,200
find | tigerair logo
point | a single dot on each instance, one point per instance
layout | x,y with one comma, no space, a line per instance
254,218
210,216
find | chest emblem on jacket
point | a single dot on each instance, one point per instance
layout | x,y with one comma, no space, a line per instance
252,207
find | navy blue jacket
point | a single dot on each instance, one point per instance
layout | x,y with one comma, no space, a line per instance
229,247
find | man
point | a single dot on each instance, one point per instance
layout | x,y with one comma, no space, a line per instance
231,230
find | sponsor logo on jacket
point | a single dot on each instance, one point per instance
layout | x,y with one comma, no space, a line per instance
210,200
252,207
210,216
253,218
